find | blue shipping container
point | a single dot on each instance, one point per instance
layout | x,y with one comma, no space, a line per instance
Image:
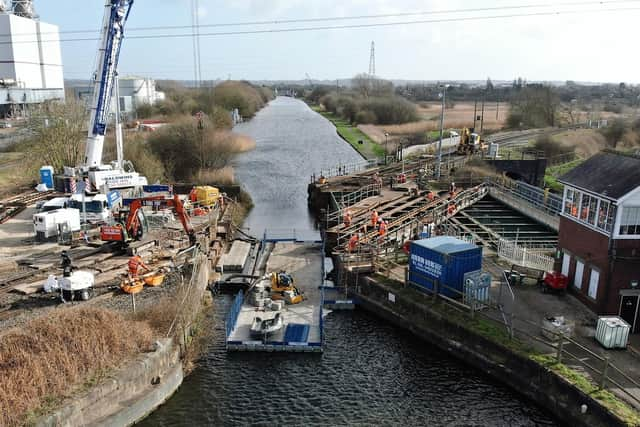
443,260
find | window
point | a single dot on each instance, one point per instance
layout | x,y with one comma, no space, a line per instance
566,261
584,207
606,215
630,221
570,207
593,283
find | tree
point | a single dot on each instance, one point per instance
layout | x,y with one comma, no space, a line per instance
535,106
361,83
614,132
59,134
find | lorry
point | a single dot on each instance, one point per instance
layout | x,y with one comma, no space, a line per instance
50,224
95,207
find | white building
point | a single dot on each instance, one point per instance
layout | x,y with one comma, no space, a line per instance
30,59
134,92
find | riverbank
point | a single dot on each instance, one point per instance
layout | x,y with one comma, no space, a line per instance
360,141
484,345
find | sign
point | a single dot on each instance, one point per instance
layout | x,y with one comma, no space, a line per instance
426,266
111,233
113,197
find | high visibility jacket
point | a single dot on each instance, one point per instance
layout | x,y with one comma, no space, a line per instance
353,242
383,229
347,218
374,218
134,264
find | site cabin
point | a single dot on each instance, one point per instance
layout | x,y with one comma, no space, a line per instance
599,235
47,224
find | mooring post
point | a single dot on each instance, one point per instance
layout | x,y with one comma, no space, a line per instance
133,302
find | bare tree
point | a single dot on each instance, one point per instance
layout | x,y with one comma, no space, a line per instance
59,134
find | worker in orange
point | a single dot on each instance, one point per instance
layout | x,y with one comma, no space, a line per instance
353,242
374,218
135,264
193,195
451,209
347,218
382,229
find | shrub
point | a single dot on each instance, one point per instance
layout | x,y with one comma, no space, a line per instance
366,117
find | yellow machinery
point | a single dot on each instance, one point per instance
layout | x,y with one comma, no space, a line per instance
206,195
469,142
282,288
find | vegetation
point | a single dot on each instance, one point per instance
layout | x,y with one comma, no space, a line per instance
554,172
354,136
606,398
533,106
216,101
55,355
188,149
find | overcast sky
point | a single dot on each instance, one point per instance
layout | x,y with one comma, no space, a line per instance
596,46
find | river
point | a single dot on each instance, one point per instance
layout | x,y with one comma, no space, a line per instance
370,373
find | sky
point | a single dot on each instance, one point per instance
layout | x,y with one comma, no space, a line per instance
594,46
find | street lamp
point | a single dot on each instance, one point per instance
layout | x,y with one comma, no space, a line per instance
439,160
386,147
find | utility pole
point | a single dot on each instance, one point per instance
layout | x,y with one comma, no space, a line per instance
497,106
439,161
475,114
484,97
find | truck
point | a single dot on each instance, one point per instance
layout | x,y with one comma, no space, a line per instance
96,207
48,225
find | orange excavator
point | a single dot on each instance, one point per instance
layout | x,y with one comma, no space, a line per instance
135,225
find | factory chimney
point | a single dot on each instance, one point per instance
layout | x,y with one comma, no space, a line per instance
24,8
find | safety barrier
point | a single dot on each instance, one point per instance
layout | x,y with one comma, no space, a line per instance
234,311
536,197
524,257
344,169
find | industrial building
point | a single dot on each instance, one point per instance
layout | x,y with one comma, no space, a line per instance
30,59
133,91
600,234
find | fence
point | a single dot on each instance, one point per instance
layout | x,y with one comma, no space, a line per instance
344,169
524,257
234,311
537,197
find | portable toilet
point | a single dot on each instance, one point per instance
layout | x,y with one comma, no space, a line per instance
46,176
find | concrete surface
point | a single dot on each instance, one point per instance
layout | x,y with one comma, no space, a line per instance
303,262
237,256
17,236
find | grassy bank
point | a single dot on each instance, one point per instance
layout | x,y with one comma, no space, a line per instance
64,352
554,172
368,149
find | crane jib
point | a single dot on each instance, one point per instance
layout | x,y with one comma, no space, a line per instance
114,34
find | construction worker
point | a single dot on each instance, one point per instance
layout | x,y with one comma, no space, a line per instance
431,196
382,228
66,265
347,218
451,209
193,195
374,218
135,264
353,242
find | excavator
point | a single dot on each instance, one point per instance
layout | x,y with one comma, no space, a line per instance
282,288
470,142
134,226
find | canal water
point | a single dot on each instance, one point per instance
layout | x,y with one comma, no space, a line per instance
371,373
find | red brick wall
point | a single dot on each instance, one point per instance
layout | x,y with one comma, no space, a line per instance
591,247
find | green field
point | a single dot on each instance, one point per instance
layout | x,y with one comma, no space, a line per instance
368,149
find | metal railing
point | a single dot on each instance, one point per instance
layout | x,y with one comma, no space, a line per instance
234,311
536,197
344,169
360,194
523,256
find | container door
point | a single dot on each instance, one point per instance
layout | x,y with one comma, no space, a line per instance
629,310
577,280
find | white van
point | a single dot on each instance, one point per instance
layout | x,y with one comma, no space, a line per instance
97,208
53,204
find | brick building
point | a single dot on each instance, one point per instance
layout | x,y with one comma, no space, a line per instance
599,236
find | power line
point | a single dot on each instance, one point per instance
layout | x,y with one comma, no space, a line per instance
349,26
349,18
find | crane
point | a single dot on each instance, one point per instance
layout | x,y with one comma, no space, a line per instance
134,227
104,82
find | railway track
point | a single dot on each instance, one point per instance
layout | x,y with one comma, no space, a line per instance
14,205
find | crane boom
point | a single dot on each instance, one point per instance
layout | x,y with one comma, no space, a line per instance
115,17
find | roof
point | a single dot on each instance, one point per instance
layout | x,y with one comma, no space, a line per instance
445,244
608,173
